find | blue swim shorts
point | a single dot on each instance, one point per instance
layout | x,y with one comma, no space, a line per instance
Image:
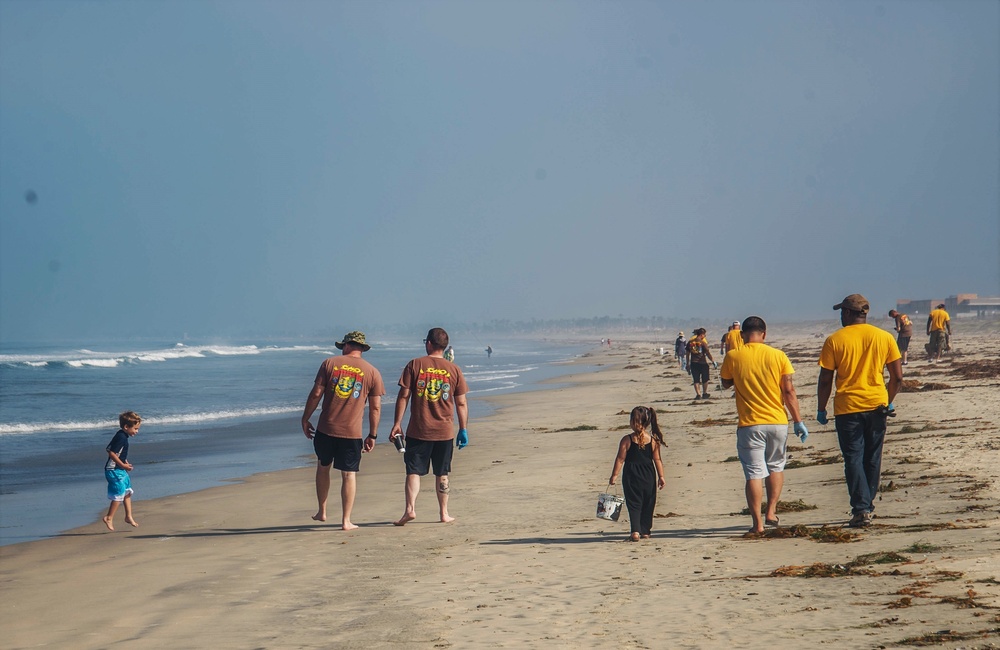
119,484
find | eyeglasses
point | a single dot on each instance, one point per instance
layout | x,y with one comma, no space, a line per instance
425,340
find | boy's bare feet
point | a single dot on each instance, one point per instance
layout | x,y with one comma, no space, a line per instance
319,516
447,519
108,522
348,526
131,522
406,518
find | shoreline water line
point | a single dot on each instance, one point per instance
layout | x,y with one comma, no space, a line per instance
181,454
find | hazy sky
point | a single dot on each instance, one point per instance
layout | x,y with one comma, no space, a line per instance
265,166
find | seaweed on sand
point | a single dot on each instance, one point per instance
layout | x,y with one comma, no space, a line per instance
856,567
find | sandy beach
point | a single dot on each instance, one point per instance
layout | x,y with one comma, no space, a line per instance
528,565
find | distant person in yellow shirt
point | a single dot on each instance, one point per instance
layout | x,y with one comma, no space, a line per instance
939,329
856,354
762,376
733,340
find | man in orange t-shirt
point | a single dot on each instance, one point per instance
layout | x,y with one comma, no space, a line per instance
434,388
345,384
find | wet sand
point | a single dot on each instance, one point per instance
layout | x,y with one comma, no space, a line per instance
527,564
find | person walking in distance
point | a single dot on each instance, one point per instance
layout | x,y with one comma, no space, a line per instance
904,327
939,329
734,339
698,355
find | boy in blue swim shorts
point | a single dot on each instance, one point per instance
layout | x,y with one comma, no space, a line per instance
117,468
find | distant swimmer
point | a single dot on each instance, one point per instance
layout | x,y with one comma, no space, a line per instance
449,354
489,351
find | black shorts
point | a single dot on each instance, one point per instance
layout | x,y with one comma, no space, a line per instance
699,373
420,454
344,453
903,342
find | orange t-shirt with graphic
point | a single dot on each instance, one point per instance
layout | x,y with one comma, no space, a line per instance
348,382
434,383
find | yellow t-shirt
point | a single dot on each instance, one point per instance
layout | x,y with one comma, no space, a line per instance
734,341
756,370
938,318
858,354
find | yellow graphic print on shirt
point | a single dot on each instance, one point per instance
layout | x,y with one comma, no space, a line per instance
434,384
350,380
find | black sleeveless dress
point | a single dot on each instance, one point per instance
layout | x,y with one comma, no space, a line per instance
639,487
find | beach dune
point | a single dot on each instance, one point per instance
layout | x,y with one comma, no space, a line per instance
528,565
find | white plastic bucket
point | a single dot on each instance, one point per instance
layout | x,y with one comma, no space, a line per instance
609,506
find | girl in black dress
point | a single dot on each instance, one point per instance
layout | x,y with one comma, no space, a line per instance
639,463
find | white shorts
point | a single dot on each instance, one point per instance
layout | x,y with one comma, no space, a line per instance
761,449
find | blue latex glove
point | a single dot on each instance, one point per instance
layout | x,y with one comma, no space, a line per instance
715,365
801,431
463,438
821,417
891,407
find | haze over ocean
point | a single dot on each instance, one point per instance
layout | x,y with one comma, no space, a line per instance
247,168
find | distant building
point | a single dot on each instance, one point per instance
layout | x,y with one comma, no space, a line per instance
967,304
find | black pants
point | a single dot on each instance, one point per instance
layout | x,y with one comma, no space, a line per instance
640,499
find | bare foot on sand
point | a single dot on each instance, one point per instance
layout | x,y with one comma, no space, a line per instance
108,523
634,537
447,519
319,516
643,536
406,518
131,522
348,526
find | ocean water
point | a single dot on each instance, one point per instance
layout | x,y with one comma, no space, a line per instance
212,412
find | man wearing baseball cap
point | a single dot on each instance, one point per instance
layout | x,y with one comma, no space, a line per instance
344,384
856,354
